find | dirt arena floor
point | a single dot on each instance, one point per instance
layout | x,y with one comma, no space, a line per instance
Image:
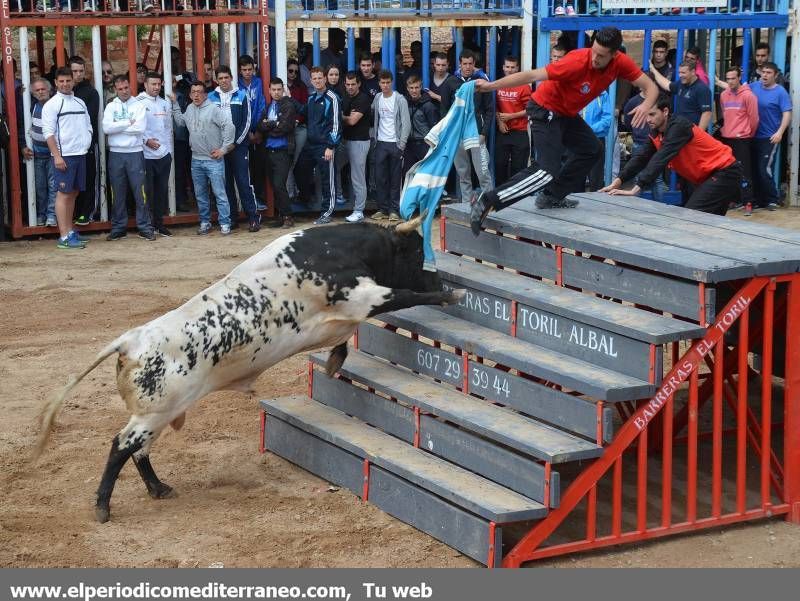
235,507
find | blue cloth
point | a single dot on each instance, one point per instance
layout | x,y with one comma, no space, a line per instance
324,119
598,114
239,108
691,101
279,141
425,181
772,103
255,94
45,188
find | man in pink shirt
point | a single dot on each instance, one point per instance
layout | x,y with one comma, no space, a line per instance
740,114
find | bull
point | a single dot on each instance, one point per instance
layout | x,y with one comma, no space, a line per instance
306,290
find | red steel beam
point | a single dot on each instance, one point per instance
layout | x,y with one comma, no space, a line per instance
11,111
791,401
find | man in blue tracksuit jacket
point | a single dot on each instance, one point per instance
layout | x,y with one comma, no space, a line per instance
237,165
324,119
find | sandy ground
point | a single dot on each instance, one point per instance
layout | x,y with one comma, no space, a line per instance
235,507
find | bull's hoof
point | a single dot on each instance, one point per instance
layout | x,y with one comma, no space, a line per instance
161,491
454,297
102,514
336,359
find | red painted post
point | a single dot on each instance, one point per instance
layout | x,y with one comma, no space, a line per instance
104,44
11,108
132,57
197,50
208,50
716,461
616,499
766,394
182,46
641,483
666,463
791,402
741,414
40,58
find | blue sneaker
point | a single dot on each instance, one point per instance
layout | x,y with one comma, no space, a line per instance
69,244
76,236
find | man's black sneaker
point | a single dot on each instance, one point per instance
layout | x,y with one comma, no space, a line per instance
479,209
116,236
545,200
255,225
162,231
148,235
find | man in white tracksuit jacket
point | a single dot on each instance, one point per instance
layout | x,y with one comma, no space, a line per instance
124,121
158,145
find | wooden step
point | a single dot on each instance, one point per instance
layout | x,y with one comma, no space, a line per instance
677,296
568,372
444,439
490,421
450,482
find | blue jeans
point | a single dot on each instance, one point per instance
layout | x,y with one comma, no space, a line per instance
45,188
658,186
205,173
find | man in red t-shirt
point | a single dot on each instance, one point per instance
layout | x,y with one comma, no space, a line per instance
512,147
677,143
568,86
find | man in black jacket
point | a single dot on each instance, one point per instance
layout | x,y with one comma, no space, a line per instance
484,115
277,123
424,115
86,203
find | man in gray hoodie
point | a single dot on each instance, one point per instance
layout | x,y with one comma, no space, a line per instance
211,135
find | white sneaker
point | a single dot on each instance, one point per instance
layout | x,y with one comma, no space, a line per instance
355,217
225,230
305,15
339,16
147,6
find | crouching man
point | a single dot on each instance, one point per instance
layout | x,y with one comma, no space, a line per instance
708,165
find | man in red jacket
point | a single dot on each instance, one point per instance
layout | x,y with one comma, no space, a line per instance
675,142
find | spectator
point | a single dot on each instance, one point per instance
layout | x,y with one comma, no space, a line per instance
305,56
67,129
108,83
740,122
235,103
336,85
512,146
34,71
334,53
697,157
355,132
40,155
124,122
277,123
692,55
557,52
208,76
659,60
423,116
86,202
141,73
391,131
369,81
51,74
334,81
183,153
211,136
598,115
440,76
324,133
641,135
157,150
252,85
693,98
299,94
774,117
484,115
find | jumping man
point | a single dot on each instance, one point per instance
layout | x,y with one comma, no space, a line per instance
569,85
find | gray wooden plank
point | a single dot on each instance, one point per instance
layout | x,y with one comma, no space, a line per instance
575,374
622,319
470,491
430,514
325,460
444,440
678,297
537,260
562,410
633,203
555,331
455,527
658,256
496,423
768,258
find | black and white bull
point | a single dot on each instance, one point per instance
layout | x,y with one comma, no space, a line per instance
306,290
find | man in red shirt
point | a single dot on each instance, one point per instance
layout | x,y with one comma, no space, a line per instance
677,143
512,146
568,86
740,114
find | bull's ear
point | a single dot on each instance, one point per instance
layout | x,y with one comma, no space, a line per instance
407,227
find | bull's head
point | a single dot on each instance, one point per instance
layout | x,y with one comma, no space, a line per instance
409,258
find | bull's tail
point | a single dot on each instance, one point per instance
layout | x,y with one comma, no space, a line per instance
51,408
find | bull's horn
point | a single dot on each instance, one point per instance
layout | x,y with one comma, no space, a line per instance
409,226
